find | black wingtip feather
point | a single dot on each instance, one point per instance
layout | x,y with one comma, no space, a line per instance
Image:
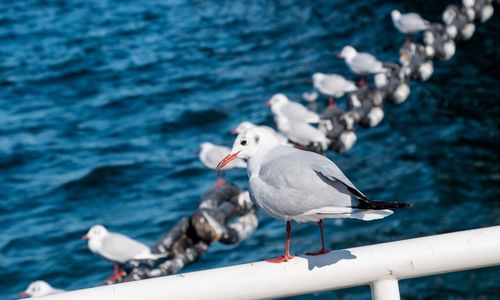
382,205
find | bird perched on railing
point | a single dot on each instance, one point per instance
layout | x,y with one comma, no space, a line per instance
210,154
332,85
281,105
361,63
40,288
304,186
117,248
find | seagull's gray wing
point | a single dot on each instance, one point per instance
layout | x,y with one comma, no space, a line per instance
330,85
304,134
413,22
366,63
293,182
120,248
294,110
332,172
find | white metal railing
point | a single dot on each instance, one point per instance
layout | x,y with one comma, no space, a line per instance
380,266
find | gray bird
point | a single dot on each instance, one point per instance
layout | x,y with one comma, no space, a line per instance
293,184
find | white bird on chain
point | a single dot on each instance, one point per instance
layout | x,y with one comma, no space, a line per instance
280,104
117,248
301,132
361,63
332,85
409,23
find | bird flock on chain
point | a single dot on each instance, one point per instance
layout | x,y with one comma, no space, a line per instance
335,127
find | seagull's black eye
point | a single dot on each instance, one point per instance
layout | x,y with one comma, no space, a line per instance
243,143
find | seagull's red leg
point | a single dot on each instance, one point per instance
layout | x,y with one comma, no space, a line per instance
323,249
118,271
287,255
220,181
331,102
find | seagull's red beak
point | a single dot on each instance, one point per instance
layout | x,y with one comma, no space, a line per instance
23,294
268,103
226,160
85,237
234,131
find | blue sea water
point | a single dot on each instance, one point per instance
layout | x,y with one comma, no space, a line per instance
103,105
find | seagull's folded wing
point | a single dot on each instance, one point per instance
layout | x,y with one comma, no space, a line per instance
120,248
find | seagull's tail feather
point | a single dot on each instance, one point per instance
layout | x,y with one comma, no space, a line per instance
378,205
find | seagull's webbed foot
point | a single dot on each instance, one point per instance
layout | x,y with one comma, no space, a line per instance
280,259
321,251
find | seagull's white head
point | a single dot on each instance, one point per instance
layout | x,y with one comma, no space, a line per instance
317,77
278,100
395,15
37,289
96,232
347,52
248,143
245,125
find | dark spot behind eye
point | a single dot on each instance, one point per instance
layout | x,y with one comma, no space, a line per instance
243,143
257,139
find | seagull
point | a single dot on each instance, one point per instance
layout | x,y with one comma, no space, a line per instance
409,23
245,125
280,104
117,248
292,184
361,63
332,85
210,154
40,288
301,132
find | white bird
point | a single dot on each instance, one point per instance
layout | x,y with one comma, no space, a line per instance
245,125
409,23
293,184
117,248
280,104
210,154
301,132
332,85
40,288
361,63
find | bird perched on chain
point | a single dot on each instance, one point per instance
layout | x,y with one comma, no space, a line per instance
117,248
332,85
281,105
361,63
